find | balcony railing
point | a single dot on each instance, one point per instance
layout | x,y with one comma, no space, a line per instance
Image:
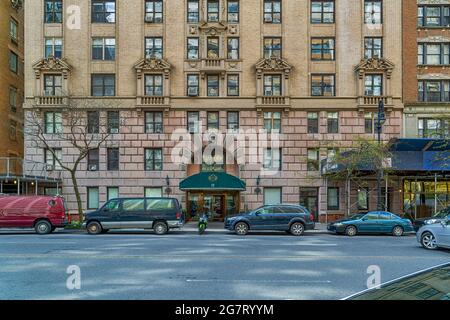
273,101
213,64
18,167
153,101
52,101
374,100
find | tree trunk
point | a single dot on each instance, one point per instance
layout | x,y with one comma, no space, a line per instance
77,195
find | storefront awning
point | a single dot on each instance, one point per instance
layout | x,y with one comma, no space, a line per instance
212,181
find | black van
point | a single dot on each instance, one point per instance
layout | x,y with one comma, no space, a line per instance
159,214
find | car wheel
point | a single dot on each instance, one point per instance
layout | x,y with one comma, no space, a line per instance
241,228
351,231
297,229
397,231
428,241
160,228
94,228
43,227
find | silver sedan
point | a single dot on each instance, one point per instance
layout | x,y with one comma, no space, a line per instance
433,236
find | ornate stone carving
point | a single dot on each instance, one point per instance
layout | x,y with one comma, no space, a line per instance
374,65
213,28
152,65
273,64
52,64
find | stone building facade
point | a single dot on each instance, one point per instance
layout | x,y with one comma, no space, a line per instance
314,70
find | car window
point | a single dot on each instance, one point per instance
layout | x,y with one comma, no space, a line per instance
371,216
277,210
133,205
293,210
113,205
160,204
385,216
264,210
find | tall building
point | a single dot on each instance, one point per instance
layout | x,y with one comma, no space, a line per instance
311,70
11,91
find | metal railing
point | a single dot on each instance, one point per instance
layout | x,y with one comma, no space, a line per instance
18,167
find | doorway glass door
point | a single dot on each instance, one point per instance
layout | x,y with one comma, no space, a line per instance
309,198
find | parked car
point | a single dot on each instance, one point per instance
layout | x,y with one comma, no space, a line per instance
43,213
428,284
433,236
372,222
436,218
294,219
159,214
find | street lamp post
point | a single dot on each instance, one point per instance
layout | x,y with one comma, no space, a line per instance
380,120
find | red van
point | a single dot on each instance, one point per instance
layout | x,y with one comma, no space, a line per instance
43,213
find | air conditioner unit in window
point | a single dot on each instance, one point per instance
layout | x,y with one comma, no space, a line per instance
193,92
92,167
114,130
49,167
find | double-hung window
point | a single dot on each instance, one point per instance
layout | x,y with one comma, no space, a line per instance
233,85
53,11
434,90
213,120
313,122
193,121
93,122
193,11
272,121
154,11
153,159
113,122
322,85
103,85
103,49
333,198
192,85
373,47
154,122
213,10
13,99
272,85
313,160
373,85
433,16
434,53
233,121
13,27
154,85
373,11
212,85
103,11
53,122
233,11
272,11
193,48
51,159
272,159
52,85
154,47
333,122
322,49
272,47
13,62
53,47
322,11
93,160
233,48
113,161
212,47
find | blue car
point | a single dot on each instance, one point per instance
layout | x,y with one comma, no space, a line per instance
378,222
290,218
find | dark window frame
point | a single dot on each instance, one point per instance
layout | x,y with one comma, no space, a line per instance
151,164
103,76
152,126
322,12
101,16
153,13
323,87
193,16
367,14
189,86
313,123
153,90
333,123
271,13
113,159
233,125
336,207
93,122
55,14
371,41
153,50
229,12
93,159
113,122
235,87
269,49
322,49
212,124
195,125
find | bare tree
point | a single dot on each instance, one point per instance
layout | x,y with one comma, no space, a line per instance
75,133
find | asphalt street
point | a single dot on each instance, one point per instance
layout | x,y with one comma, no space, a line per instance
181,265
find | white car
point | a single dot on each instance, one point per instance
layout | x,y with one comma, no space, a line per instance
433,236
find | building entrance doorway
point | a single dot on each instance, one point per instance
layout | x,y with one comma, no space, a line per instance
217,204
309,198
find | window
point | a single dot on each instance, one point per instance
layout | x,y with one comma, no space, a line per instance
272,196
93,160
213,10
154,11
92,198
233,11
154,85
103,85
12,130
193,124
272,11
233,48
13,99
331,154
434,90
156,204
373,85
434,53
212,85
154,48
434,128
433,16
192,48
333,122
373,47
333,198
371,122
313,122
233,85
313,160
53,122
13,27
113,122
213,120
272,121
153,192
52,85
104,49
363,199
233,121
322,49
153,160
132,205
51,159
272,159
373,11
272,85
53,11
322,11
103,11
113,193
192,85
322,85
153,122
93,121
13,62
272,48
53,47
213,49
193,11
113,155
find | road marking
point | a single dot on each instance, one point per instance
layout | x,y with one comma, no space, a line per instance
258,281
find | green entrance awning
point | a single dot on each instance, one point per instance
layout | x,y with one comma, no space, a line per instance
212,181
